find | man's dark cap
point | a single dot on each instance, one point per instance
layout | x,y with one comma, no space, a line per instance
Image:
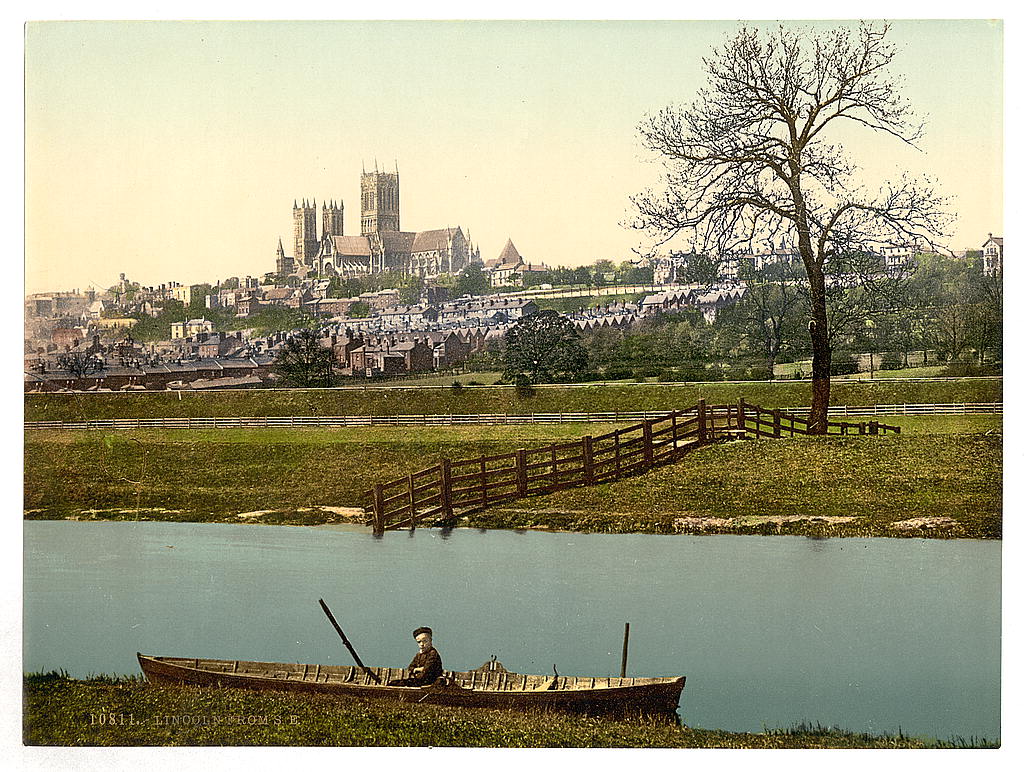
420,630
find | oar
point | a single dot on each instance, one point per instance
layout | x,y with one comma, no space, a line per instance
348,645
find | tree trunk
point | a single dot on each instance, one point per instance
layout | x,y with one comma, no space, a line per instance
817,327
821,359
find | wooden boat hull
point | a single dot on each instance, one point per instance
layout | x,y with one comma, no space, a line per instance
487,687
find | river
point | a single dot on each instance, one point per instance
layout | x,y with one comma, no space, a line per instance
875,635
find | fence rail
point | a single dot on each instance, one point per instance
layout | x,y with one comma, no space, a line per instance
489,419
440,492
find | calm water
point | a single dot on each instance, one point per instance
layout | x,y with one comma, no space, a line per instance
871,635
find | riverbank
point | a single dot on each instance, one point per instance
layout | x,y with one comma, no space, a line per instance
395,400
940,478
128,712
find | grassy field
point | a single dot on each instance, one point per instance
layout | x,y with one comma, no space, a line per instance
65,712
544,399
486,378
944,469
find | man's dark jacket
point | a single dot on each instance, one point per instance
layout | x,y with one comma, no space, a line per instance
430,661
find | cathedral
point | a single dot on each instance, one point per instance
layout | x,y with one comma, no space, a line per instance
381,245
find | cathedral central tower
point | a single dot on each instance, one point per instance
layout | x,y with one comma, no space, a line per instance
306,243
379,202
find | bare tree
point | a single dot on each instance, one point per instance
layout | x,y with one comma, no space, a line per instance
765,317
750,161
80,363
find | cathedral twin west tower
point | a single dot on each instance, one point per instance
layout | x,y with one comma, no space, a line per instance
381,245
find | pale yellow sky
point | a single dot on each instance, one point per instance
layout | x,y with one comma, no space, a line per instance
174,151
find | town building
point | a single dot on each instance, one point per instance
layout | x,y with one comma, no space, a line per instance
190,328
992,256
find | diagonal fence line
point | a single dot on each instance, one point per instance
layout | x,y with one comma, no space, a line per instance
455,488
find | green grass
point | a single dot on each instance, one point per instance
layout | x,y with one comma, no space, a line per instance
940,467
65,712
487,378
908,372
212,475
837,486
544,399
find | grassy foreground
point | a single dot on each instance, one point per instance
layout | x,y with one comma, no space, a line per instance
505,399
941,477
127,712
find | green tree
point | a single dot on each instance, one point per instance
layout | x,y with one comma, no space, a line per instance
197,305
755,158
358,310
303,362
410,291
471,281
543,347
154,328
600,269
536,278
699,268
985,317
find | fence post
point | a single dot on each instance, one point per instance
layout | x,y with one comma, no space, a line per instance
412,500
741,418
446,488
675,432
483,479
776,424
588,459
862,427
648,444
378,510
617,457
873,427
521,472
702,422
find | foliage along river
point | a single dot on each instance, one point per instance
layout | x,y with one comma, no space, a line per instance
876,635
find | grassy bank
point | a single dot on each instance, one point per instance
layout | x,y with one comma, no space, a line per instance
544,399
941,477
61,711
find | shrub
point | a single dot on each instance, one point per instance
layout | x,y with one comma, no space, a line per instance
714,373
614,373
758,373
645,372
693,371
845,364
524,387
891,360
969,369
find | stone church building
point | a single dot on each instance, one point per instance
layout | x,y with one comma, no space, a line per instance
381,245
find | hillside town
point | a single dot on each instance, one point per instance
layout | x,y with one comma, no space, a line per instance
229,334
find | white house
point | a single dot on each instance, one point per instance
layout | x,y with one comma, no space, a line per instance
992,256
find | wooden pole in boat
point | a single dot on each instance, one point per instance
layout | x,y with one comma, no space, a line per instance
625,650
344,639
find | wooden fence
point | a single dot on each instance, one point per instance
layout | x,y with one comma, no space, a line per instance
457,488
489,419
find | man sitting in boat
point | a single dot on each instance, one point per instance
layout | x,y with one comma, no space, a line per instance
426,665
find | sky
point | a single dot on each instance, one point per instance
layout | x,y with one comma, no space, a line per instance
173,151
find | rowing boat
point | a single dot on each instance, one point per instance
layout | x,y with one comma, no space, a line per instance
488,686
